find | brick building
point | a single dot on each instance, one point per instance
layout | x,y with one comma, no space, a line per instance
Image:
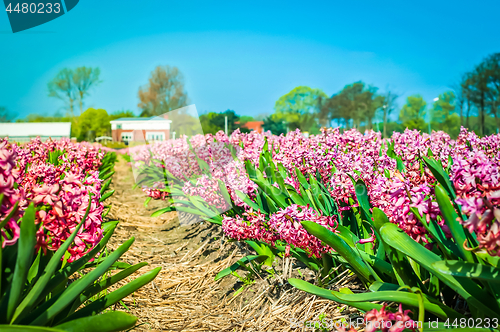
254,125
139,129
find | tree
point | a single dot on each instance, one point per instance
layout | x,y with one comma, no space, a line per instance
443,107
84,78
164,92
388,106
246,118
213,122
413,112
356,102
207,123
261,116
70,85
121,114
444,116
294,107
276,127
92,123
5,115
185,121
492,67
482,89
461,99
478,87
63,88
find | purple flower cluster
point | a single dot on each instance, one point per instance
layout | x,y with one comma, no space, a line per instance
60,190
477,182
339,158
10,233
284,225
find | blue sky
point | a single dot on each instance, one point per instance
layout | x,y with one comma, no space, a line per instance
244,55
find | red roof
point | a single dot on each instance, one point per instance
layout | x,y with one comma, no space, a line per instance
254,125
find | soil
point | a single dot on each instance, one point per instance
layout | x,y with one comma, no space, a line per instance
184,296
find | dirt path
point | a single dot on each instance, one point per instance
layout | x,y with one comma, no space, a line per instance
184,296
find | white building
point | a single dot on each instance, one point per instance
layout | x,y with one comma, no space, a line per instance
140,129
25,131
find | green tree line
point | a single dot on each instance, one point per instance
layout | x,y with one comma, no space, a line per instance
472,102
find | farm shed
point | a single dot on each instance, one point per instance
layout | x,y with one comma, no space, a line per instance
24,132
138,129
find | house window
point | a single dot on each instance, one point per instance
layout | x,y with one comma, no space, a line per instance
126,137
155,136
119,126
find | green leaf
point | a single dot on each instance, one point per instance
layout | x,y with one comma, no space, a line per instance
468,270
26,248
31,299
301,178
341,247
390,151
105,186
250,169
383,286
107,176
447,246
115,296
330,295
77,287
107,322
24,328
247,200
363,200
399,164
406,298
104,284
33,272
296,198
450,218
109,226
106,196
437,170
159,212
200,204
240,263
263,249
466,288
64,273
270,203
404,272
194,211
377,263
225,193
277,196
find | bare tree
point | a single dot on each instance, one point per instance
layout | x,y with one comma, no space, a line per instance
84,78
62,87
164,92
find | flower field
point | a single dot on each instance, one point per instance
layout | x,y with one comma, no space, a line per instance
412,221
53,201
415,217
